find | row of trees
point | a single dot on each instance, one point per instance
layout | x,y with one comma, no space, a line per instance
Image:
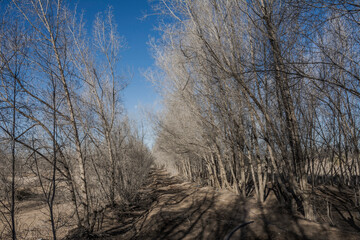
261,91
61,114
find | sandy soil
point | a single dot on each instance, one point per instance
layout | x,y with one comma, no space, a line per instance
32,214
169,208
172,209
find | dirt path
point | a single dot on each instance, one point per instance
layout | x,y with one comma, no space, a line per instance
172,209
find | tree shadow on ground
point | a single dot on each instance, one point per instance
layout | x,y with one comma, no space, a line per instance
187,212
171,209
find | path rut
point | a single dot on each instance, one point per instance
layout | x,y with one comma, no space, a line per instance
170,208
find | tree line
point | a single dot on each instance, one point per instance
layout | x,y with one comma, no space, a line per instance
260,95
61,115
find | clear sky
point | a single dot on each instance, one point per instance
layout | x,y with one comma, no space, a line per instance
136,56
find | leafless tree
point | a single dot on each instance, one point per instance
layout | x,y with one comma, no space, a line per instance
270,86
61,110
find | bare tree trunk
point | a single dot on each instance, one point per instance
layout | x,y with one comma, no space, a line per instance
53,181
13,161
298,164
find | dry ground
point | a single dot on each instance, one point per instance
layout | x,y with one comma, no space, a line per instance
173,209
169,208
32,212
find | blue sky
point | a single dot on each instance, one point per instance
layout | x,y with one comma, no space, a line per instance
136,56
